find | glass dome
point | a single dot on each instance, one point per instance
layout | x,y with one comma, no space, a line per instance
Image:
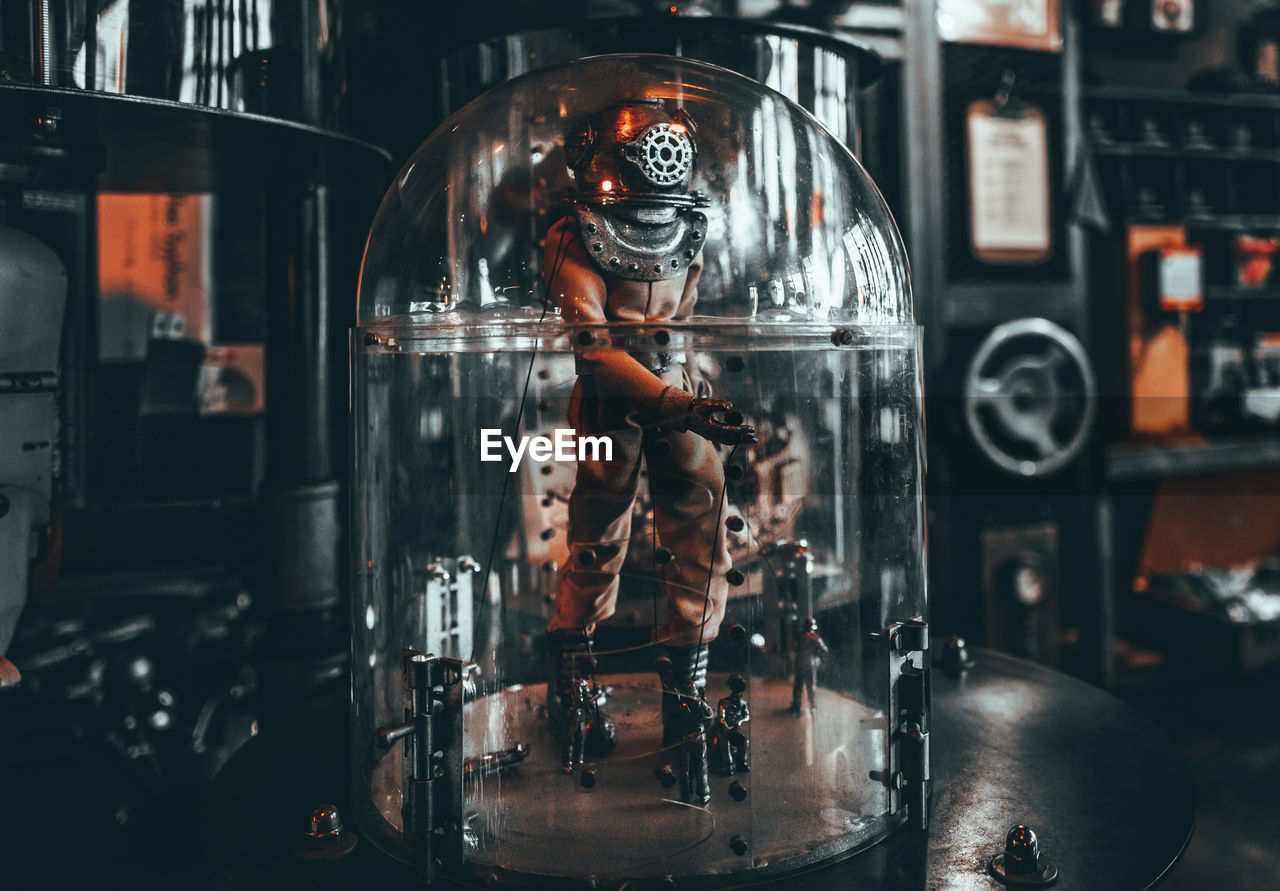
637,500
821,71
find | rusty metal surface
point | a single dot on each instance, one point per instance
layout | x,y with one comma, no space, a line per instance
1108,795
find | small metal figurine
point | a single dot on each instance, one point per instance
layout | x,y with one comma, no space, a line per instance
810,648
566,704
629,251
692,716
573,742
730,744
685,715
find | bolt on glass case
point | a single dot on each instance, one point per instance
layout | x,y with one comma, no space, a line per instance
637,532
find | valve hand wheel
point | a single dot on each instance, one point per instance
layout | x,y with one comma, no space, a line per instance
1029,397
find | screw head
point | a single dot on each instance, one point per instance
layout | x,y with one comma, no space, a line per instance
1021,863
47,123
956,656
326,822
326,840
1022,850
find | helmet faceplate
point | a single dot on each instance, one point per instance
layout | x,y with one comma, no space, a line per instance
632,164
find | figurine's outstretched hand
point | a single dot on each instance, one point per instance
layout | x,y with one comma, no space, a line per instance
684,411
703,421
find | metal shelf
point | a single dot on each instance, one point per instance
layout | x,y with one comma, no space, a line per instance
1232,221
1217,293
1191,456
1192,153
154,145
1184,97
1224,222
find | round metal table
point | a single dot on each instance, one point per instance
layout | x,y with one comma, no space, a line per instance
1013,742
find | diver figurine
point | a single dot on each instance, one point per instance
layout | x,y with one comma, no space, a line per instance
727,739
628,250
810,648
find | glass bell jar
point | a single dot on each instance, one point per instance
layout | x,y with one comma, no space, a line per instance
637,527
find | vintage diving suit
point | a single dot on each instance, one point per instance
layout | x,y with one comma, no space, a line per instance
629,251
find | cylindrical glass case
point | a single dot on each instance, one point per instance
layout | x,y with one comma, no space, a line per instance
637,528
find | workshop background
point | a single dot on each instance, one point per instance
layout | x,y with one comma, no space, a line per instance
174,435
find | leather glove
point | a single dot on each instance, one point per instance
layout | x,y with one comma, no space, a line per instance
681,410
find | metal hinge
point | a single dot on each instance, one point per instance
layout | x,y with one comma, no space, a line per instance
907,775
433,762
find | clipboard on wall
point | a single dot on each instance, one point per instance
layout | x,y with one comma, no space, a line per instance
1008,178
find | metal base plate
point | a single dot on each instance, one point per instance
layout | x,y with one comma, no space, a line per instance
809,797
1043,877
